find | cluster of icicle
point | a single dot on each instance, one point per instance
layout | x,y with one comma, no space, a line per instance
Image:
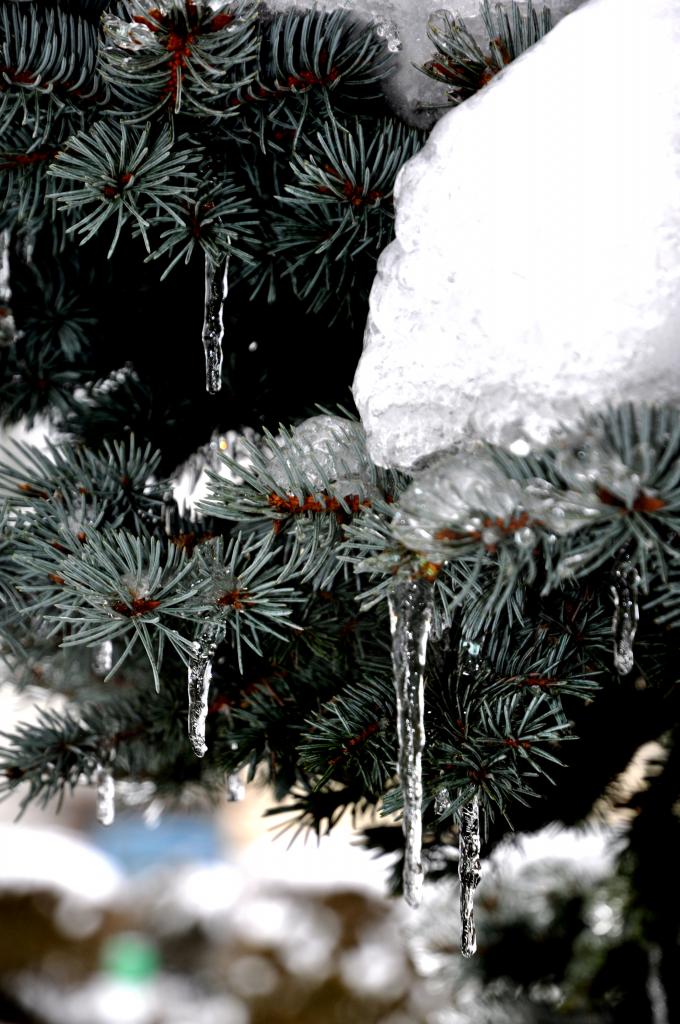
410,604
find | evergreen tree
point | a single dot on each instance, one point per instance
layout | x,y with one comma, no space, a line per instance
147,152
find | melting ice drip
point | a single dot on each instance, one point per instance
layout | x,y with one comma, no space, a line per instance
216,288
198,684
469,873
626,614
8,332
102,658
410,604
106,795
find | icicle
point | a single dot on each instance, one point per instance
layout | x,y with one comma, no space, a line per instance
469,873
170,513
25,245
442,801
410,604
8,331
624,593
216,287
199,676
236,790
153,813
106,795
102,658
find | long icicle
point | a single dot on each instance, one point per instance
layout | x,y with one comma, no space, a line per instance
410,604
199,674
469,873
8,331
216,288
624,593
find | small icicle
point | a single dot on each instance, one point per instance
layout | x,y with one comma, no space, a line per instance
106,795
624,593
410,604
235,788
442,801
102,658
170,513
8,331
469,873
25,245
199,676
216,288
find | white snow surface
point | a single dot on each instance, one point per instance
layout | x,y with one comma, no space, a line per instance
535,271
405,22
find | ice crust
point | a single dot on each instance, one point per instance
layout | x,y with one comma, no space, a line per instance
409,89
535,271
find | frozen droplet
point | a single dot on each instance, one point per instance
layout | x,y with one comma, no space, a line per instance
106,795
624,593
216,288
442,801
520,447
8,331
410,604
199,675
525,538
469,873
102,658
388,31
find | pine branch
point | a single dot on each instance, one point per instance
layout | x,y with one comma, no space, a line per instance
462,64
112,171
180,56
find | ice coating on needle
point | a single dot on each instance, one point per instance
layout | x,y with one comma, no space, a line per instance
410,605
403,25
327,450
516,294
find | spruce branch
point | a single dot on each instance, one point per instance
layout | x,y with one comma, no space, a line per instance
462,64
114,171
180,56
51,51
118,586
243,591
213,221
119,478
303,497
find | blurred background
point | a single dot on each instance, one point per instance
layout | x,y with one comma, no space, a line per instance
209,915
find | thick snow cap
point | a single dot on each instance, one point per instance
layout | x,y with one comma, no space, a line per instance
536,267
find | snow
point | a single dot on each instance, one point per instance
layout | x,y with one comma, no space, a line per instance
406,20
536,264
31,858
